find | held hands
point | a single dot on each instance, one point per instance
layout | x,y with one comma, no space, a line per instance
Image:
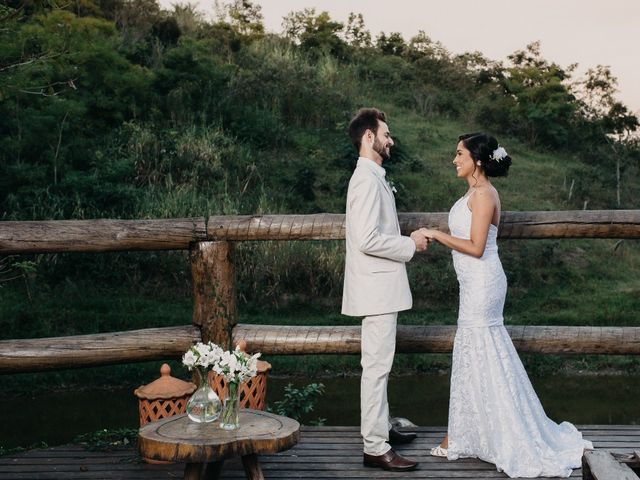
429,233
423,237
420,239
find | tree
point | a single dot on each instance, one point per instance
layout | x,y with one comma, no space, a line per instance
246,17
190,83
422,45
167,31
136,18
545,105
72,89
392,44
611,117
189,20
317,34
355,33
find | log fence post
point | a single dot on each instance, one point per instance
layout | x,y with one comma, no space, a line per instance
214,291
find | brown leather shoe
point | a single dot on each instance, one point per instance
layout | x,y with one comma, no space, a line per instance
396,437
390,461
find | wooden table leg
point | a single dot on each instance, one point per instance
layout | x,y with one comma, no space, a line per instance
213,470
252,467
192,471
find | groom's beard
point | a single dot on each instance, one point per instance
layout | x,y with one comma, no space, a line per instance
382,151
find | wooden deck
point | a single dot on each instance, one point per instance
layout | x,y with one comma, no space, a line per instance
323,452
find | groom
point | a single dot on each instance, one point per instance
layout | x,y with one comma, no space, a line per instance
375,283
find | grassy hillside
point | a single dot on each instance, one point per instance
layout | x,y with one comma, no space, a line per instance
552,282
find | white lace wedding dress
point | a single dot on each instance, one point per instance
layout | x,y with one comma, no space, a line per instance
494,413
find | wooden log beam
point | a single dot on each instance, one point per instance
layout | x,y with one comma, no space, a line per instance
571,224
178,234
100,235
322,226
601,465
297,340
513,225
214,291
41,354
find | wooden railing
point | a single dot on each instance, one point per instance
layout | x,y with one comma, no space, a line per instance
210,242
179,234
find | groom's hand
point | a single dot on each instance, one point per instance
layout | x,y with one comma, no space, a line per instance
421,241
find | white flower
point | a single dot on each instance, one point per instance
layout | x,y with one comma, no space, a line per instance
201,355
498,154
189,359
235,366
202,349
224,359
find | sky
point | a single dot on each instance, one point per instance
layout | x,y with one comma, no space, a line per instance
587,32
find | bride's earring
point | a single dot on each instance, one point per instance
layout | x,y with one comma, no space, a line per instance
479,163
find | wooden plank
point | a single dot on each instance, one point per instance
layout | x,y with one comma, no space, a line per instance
327,442
599,465
61,468
628,446
55,460
311,340
41,354
378,473
629,437
610,433
64,452
355,429
90,475
315,457
610,427
355,463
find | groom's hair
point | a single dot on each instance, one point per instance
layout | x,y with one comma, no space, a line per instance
365,119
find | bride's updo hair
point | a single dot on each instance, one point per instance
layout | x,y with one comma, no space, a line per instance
484,148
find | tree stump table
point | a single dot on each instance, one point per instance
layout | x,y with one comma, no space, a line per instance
204,446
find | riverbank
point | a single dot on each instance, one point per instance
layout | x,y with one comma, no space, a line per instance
59,416
309,367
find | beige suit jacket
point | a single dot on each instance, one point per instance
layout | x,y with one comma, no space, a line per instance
375,277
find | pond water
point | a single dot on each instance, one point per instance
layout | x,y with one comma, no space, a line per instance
57,417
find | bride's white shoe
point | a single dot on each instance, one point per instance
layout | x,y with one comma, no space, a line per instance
439,452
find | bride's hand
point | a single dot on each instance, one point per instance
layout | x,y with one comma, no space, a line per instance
429,233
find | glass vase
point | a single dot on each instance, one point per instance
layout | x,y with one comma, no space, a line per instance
204,406
230,417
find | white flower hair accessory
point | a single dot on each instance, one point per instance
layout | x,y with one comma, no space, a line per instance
498,154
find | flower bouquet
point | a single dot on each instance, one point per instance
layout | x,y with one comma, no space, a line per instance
236,367
204,406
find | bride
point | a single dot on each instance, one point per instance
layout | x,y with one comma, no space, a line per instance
494,413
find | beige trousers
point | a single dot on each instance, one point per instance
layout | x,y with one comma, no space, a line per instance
378,346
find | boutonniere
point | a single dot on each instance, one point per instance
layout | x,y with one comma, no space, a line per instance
392,186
